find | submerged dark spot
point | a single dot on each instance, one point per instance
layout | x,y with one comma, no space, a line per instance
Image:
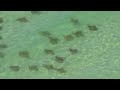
74,21
61,70
48,66
2,55
92,27
1,37
3,46
36,12
48,51
68,37
14,68
44,33
33,68
1,20
22,20
24,54
59,59
53,40
73,51
78,33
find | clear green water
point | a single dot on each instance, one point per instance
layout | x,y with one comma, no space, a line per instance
98,52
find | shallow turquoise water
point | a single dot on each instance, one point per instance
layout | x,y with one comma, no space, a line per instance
97,51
